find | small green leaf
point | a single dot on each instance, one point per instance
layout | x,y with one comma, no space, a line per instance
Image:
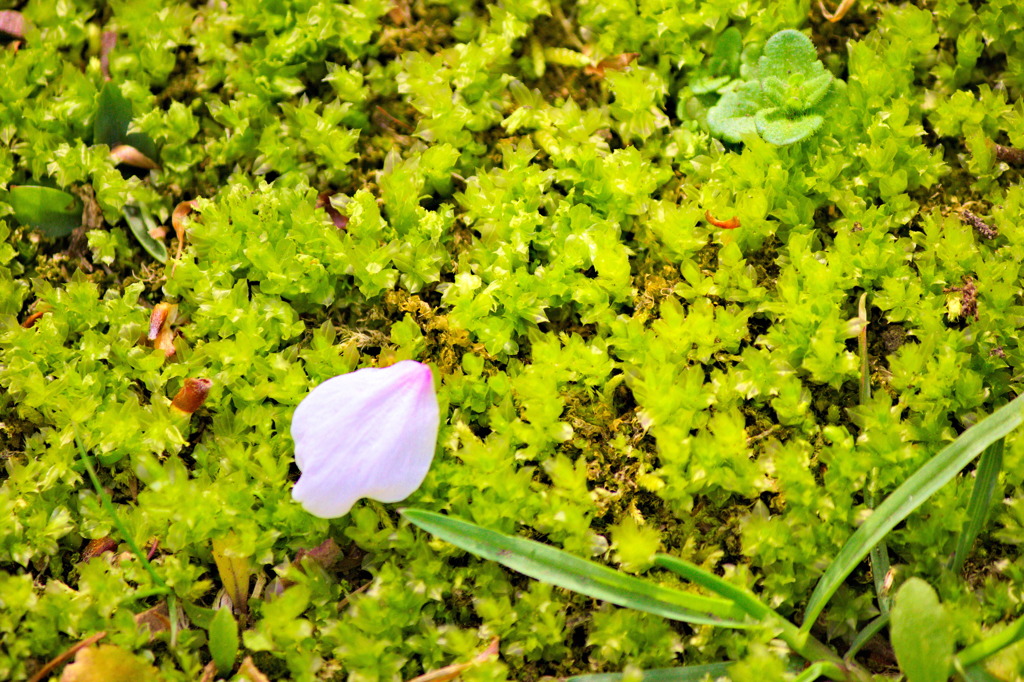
559,568
727,53
921,633
814,89
724,64
223,640
775,126
141,222
54,212
811,672
732,118
787,52
199,615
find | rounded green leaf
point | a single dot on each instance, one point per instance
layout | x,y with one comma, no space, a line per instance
141,221
774,126
786,53
223,640
52,211
921,633
732,118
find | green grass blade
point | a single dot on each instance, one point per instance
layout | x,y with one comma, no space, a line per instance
800,642
562,569
879,555
937,472
141,222
985,480
682,674
879,558
743,598
979,674
865,635
976,653
811,673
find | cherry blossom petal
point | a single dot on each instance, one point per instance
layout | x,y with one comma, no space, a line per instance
370,433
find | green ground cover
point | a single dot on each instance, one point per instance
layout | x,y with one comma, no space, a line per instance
525,196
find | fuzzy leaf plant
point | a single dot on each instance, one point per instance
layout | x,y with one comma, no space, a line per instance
786,98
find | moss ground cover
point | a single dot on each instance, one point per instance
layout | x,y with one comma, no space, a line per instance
524,196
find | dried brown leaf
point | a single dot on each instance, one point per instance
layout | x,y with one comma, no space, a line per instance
178,217
209,672
30,321
127,154
323,200
108,663
840,12
107,44
161,332
248,671
234,571
730,224
617,62
1010,155
984,229
157,619
326,554
97,547
188,400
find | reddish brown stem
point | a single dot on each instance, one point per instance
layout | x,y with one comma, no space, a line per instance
730,224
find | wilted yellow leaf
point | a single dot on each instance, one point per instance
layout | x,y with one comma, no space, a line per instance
108,663
233,567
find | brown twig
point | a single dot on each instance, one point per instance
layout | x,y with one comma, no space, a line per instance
1011,155
344,602
107,44
44,672
968,297
983,228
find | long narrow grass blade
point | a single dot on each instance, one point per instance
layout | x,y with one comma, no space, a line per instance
811,673
939,471
800,642
978,674
693,673
743,598
879,555
865,635
978,652
985,480
562,569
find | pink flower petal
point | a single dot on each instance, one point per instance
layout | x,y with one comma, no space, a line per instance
371,433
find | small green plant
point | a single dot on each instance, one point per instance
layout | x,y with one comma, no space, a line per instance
786,98
733,606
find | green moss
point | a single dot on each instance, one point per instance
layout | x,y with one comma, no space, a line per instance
614,371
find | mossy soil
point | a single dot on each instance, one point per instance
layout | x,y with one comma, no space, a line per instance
618,375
